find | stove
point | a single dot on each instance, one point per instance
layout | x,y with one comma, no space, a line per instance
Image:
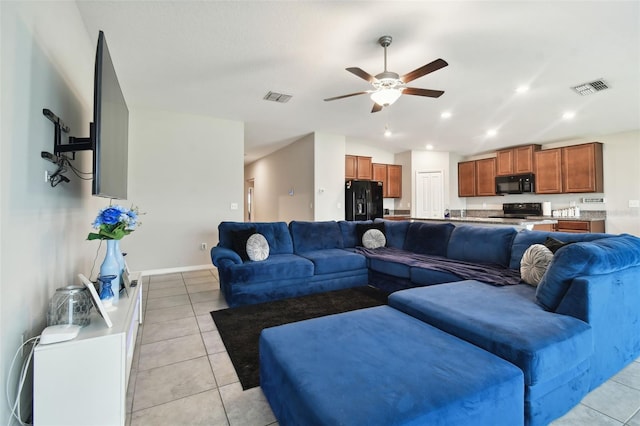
520,210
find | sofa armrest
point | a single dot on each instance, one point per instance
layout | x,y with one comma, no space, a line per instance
219,253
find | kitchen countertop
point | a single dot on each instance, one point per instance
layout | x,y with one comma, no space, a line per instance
528,223
585,219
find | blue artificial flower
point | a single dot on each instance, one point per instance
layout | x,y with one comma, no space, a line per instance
111,215
114,222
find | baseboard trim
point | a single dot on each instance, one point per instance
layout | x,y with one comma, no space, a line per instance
149,272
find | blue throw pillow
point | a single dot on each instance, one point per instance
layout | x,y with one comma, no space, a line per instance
428,238
555,245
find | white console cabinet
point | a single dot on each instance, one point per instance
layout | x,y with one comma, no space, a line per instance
84,381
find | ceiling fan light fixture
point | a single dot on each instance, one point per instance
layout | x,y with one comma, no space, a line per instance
386,97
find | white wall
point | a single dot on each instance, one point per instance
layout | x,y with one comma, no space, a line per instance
284,183
329,152
363,148
185,171
46,62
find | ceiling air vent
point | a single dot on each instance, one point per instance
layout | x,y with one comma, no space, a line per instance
277,97
591,87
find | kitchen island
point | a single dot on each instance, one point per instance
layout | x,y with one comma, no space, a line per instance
535,223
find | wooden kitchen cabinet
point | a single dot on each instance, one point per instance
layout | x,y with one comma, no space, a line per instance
486,177
582,168
516,161
504,162
467,179
580,226
391,177
379,173
394,181
477,178
548,171
357,167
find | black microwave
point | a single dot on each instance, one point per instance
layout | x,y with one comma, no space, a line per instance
516,184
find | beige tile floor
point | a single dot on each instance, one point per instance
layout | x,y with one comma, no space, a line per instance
182,375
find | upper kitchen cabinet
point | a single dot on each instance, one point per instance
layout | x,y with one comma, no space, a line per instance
570,169
477,178
391,177
467,179
548,171
582,168
486,177
357,167
515,161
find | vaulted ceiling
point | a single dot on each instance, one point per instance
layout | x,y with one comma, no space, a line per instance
221,58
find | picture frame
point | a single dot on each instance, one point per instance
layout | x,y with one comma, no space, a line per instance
96,300
126,276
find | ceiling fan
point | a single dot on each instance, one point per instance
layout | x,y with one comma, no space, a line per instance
389,86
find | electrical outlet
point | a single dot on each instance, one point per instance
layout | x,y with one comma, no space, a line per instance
46,176
203,246
234,206
634,203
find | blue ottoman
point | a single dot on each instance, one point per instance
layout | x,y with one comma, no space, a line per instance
379,366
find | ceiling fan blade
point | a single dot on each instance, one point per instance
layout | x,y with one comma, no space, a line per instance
362,74
376,108
422,92
424,70
345,96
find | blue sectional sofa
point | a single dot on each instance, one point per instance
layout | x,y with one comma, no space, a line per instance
568,335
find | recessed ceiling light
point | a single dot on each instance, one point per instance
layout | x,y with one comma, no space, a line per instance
522,89
445,114
429,147
568,115
491,133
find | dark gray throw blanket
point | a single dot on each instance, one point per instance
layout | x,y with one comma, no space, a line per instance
489,273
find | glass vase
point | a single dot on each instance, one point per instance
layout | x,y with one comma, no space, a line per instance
110,266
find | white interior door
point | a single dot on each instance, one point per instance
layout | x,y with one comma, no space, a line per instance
430,194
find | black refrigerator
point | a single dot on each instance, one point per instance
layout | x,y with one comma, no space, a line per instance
362,199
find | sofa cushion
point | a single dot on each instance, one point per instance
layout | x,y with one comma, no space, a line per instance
586,258
395,232
378,366
535,263
428,238
276,233
395,269
505,321
524,239
329,261
310,236
479,244
282,266
349,234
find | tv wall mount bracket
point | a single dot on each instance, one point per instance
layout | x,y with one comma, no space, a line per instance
75,144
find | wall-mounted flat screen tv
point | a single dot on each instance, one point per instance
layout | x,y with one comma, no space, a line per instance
110,130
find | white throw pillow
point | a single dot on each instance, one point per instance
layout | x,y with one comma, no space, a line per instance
257,247
535,262
373,238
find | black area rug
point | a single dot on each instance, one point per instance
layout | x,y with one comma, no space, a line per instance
240,327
